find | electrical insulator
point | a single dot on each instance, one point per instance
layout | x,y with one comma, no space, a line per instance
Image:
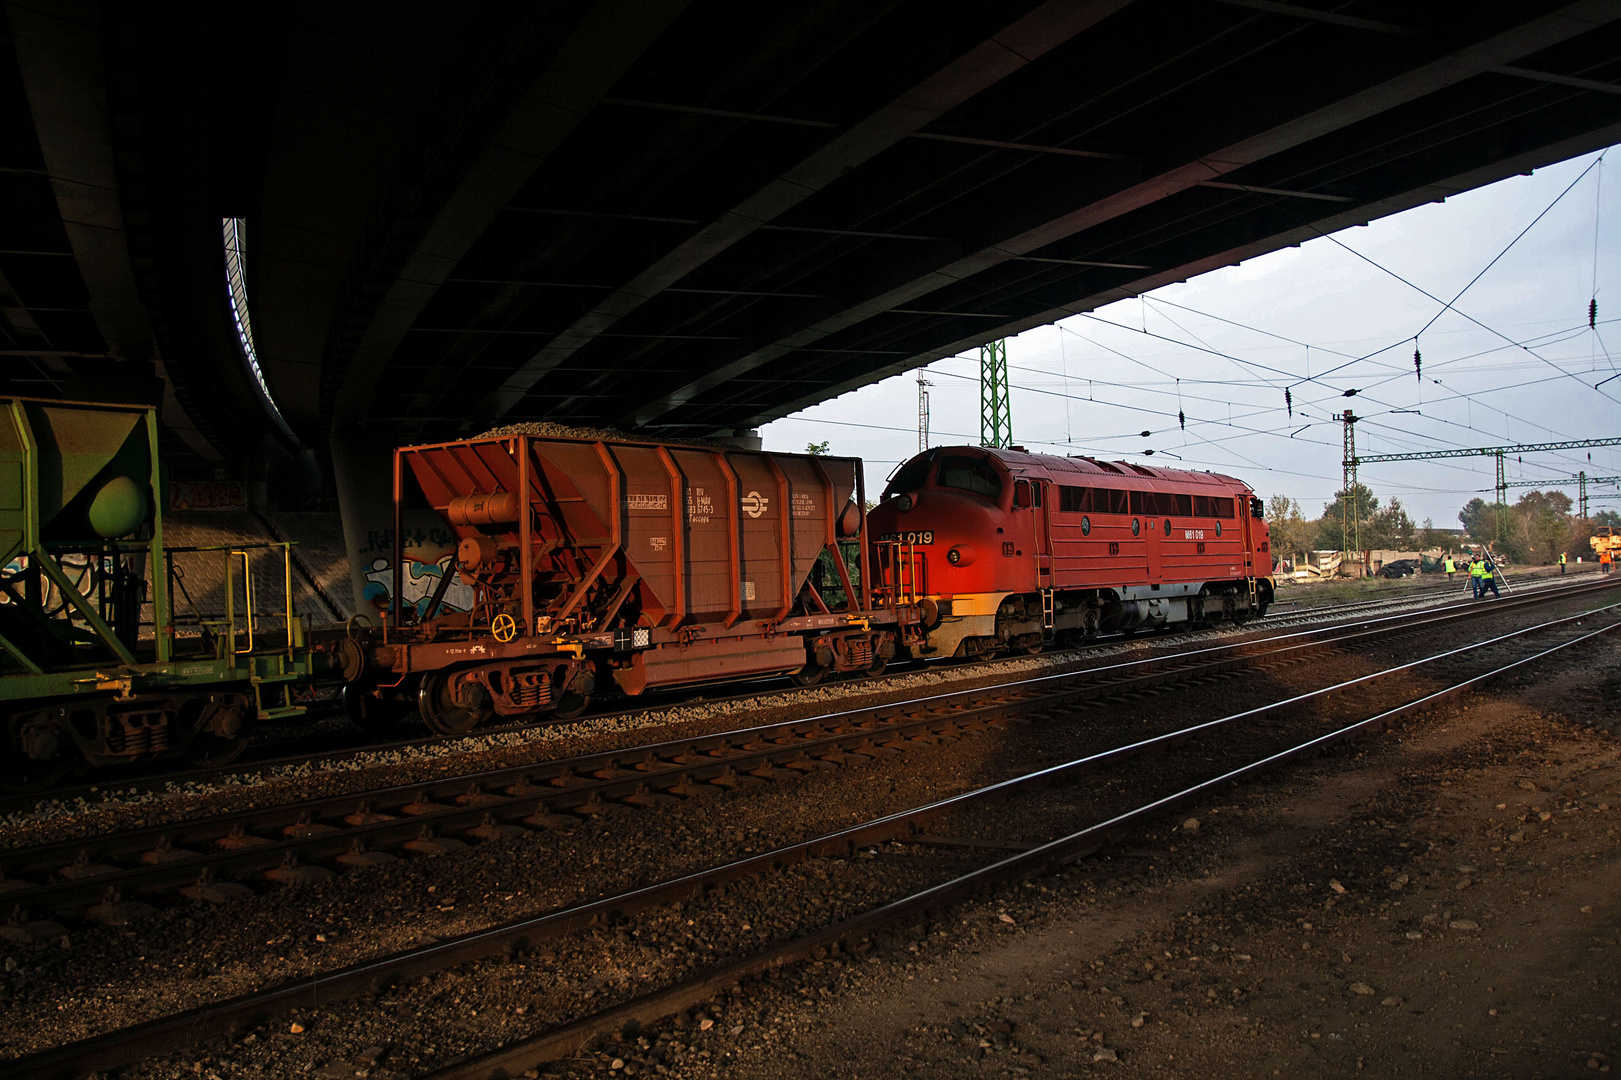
1182,419
1592,314
1418,365
1289,402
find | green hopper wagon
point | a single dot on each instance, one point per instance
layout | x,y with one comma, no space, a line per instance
96,665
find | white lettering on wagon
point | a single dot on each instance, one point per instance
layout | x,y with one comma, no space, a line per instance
699,506
634,501
658,542
804,504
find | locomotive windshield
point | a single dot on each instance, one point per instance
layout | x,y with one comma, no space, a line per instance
913,475
974,474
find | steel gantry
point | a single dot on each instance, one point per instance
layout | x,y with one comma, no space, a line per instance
1349,491
995,411
1581,480
1497,452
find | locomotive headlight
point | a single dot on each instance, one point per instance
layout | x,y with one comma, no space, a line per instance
961,555
905,503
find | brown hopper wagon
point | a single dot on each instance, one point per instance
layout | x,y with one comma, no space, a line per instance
649,564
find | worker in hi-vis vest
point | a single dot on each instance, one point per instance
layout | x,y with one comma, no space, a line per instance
1477,570
1449,566
1561,562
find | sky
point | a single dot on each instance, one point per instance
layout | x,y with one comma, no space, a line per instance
1512,361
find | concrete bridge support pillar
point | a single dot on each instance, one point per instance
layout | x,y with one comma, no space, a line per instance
363,472
363,469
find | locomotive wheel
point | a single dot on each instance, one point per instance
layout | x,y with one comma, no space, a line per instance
442,714
876,668
23,775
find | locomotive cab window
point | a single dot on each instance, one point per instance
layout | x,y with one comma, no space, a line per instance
972,474
912,475
1026,494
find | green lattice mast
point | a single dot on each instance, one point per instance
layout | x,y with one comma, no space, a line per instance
995,414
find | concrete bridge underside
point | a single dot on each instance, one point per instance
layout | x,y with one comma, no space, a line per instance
689,216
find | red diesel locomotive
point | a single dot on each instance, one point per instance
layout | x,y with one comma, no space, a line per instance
1003,549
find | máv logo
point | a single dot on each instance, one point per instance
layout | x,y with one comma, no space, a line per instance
754,504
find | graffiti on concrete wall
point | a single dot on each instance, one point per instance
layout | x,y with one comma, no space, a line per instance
419,583
430,556
207,495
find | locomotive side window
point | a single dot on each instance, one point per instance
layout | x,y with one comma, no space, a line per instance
1212,506
1084,500
912,476
971,474
1159,503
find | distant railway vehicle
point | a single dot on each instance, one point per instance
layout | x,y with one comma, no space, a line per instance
97,666
1002,549
1604,539
639,563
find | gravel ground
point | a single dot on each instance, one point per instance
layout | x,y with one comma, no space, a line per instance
188,955
1443,903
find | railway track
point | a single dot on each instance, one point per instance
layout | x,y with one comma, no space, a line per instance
329,750
217,858
118,1047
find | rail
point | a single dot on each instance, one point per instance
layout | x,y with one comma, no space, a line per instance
112,1049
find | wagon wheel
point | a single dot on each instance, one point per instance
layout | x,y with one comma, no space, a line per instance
876,668
211,751
375,716
809,675
23,775
1035,650
440,711
575,698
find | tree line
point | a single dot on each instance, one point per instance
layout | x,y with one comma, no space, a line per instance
1535,529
